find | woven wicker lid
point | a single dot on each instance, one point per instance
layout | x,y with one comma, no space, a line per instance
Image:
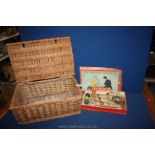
41,59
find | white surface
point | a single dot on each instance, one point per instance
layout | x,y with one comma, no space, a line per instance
77,142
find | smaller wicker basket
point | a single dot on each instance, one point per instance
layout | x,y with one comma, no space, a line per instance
46,88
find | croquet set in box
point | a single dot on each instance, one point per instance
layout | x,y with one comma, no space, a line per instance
102,89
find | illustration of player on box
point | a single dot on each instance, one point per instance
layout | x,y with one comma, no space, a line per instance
95,86
107,83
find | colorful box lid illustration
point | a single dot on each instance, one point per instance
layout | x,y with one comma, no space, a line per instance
104,101
101,78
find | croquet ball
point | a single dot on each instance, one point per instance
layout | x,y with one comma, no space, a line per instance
86,101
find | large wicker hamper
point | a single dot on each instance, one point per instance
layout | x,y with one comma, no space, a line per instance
46,88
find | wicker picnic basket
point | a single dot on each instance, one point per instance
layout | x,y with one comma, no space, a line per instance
46,88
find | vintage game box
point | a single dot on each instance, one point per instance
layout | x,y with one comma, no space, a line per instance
105,101
102,90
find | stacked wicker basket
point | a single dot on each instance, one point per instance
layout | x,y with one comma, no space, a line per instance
46,88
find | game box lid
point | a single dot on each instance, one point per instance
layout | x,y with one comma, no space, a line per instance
101,78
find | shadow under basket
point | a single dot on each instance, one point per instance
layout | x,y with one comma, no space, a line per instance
46,99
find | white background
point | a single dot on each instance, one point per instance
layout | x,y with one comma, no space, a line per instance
79,12
77,142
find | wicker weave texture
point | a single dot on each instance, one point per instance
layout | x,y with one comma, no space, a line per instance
46,99
46,88
41,59
46,111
